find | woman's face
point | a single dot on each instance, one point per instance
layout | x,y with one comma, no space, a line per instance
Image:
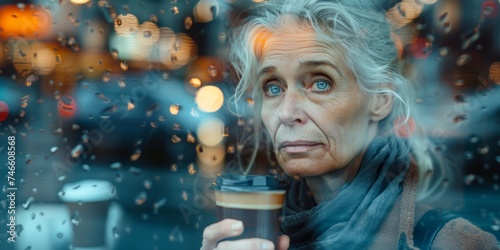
317,116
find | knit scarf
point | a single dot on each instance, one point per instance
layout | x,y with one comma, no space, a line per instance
353,217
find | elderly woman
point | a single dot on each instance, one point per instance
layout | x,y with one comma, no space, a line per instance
327,86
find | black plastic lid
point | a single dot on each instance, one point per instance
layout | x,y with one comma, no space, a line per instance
247,183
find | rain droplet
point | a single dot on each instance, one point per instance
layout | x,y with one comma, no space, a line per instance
114,53
136,154
158,204
151,109
173,167
119,177
28,203
116,232
24,101
212,70
140,198
106,76
190,138
459,118
483,150
176,235
102,97
59,235
188,22
184,195
28,159
446,27
176,126
33,215
443,51
30,79
76,151
118,21
135,171
194,113
116,165
147,184
174,108
469,179
195,82
174,10
121,83
463,59
124,65
57,95
191,169
469,155
175,139
39,228
85,138
54,149
75,219
86,167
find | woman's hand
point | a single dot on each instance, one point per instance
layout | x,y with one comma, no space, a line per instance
230,228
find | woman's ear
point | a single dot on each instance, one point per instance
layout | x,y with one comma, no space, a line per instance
380,106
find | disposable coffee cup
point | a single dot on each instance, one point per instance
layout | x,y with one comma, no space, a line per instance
88,202
257,201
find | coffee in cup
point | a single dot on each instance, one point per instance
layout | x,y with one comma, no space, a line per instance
257,201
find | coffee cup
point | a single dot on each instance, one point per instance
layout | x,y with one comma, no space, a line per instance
255,200
88,202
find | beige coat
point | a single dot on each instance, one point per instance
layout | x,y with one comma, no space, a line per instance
456,234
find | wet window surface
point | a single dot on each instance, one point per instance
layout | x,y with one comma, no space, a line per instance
121,107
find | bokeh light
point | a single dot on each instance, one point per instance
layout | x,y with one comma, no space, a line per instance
66,106
209,98
126,25
210,131
27,23
205,10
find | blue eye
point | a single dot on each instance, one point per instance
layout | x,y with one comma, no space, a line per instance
272,89
321,85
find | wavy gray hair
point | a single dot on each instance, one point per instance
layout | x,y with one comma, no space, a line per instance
365,36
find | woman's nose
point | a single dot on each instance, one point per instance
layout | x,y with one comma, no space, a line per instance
291,110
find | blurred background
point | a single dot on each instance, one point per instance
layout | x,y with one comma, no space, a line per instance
132,96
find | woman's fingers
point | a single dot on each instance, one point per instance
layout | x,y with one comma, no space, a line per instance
284,242
220,230
246,244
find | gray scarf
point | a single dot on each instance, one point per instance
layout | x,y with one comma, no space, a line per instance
353,217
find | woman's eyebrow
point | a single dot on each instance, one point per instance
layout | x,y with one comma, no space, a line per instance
314,63
266,70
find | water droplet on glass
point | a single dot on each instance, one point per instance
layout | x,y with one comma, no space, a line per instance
24,101
59,235
106,76
116,232
136,154
184,195
443,51
158,204
463,59
118,21
86,167
173,167
212,70
176,126
459,118
85,138
190,138
102,97
175,139
174,108
75,218
135,171
176,235
195,82
119,177
470,38
116,165
114,53
30,79
124,65
39,228
147,184
483,150
191,169
174,10
76,151
469,179
28,159
121,83
28,203
140,198
194,113
188,22
468,155
54,149
33,215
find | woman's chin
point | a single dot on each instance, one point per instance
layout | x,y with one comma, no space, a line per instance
304,167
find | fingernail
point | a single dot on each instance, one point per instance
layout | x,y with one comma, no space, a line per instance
237,225
266,246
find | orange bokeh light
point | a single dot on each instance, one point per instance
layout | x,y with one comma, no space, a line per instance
29,22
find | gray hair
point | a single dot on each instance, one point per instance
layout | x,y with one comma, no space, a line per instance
365,36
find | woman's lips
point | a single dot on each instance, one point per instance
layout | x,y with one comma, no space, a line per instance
298,146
